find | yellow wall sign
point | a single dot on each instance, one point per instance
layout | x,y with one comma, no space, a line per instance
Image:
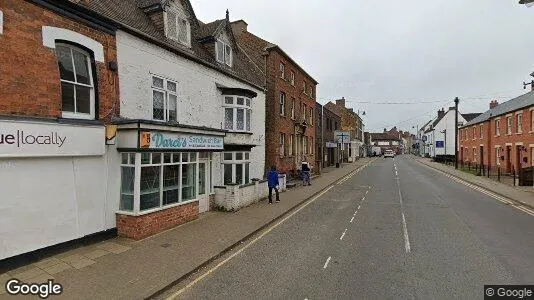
145,140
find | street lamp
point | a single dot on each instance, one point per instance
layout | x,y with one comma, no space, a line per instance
456,101
528,3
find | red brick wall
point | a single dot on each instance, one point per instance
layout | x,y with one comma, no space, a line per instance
29,84
139,227
277,124
490,140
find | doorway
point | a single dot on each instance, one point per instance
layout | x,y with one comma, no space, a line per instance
509,159
203,185
481,155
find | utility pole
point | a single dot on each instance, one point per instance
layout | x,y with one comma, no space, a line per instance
456,101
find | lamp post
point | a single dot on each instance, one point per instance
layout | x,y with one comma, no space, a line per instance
444,131
456,101
527,3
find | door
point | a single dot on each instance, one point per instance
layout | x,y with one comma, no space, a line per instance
508,159
203,186
482,155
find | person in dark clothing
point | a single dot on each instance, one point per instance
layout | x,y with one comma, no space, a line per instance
272,182
306,173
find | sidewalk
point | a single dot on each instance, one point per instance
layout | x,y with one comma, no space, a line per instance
521,194
124,269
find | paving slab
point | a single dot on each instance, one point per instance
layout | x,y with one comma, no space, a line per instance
96,253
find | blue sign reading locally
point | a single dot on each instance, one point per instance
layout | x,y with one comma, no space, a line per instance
440,144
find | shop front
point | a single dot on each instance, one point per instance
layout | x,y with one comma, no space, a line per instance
166,176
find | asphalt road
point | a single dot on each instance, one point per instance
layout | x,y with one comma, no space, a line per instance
416,235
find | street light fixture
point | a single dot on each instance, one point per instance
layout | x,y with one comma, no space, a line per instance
528,3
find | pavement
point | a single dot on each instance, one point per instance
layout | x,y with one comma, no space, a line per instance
125,269
395,230
520,194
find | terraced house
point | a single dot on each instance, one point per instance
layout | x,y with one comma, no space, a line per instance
502,136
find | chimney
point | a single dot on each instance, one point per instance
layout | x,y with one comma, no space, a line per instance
351,110
238,27
493,104
384,130
341,102
441,113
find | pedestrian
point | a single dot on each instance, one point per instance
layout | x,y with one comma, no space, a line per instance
272,182
306,170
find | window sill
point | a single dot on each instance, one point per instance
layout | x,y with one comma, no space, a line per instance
153,210
519,133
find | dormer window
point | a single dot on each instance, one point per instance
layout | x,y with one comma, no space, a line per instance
177,28
224,53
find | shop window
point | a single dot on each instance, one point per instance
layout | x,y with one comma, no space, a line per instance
77,82
165,179
164,99
236,167
237,113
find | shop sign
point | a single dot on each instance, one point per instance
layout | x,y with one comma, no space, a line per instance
342,136
33,139
179,141
331,145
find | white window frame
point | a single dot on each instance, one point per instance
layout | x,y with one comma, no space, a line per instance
247,111
235,162
282,108
509,125
282,144
136,163
474,133
303,111
481,131
304,86
167,93
290,151
76,115
282,70
519,119
498,127
292,78
227,53
293,100
179,20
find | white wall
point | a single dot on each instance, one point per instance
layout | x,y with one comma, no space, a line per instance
199,101
447,122
46,201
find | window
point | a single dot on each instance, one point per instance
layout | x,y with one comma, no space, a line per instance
509,123
236,167
292,78
165,179
178,28
498,127
290,151
292,108
224,53
282,144
282,71
305,144
310,116
303,115
532,156
481,130
304,87
237,113
164,99
310,92
282,104
335,127
532,120
474,132
519,123
76,76
498,156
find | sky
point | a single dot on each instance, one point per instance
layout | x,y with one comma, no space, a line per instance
421,54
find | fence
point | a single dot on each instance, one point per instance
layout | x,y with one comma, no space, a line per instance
523,177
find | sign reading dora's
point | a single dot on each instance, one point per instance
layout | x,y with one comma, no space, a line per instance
180,141
34,139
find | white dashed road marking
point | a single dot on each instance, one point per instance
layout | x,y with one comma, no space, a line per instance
327,261
343,234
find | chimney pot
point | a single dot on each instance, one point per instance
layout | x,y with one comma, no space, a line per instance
493,104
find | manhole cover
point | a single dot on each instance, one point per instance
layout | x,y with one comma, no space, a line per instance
166,245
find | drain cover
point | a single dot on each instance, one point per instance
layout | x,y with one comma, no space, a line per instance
166,245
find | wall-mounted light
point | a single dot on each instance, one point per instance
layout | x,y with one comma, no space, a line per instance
112,65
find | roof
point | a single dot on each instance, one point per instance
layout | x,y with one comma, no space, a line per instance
133,19
471,116
209,29
426,124
514,104
384,136
255,47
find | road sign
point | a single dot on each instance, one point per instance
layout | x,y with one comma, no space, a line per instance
342,136
440,144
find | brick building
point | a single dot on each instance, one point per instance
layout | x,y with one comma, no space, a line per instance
351,122
58,90
327,146
388,140
290,110
501,136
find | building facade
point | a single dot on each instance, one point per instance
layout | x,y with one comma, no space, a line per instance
502,136
388,140
328,148
192,117
59,89
291,92
353,125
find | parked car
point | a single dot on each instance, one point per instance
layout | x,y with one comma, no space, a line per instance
389,153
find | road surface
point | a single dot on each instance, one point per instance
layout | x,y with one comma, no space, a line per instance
395,230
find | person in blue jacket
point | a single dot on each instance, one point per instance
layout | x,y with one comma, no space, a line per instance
272,182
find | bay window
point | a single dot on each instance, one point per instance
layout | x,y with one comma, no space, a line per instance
164,179
77,86
164,99
236,167
237,113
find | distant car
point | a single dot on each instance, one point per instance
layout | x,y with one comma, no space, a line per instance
389,153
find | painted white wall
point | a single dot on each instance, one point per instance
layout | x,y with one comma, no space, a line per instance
199,100
447,122
46,201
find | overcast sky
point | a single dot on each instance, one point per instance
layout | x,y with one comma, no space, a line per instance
397,51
